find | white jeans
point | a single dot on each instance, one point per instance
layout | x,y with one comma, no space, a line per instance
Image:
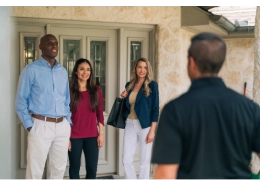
47,139
134,134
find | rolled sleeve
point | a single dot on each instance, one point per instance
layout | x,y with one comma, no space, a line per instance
100,116
21,102
155,108
168,143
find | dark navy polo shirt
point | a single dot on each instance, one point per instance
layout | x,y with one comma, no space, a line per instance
210,131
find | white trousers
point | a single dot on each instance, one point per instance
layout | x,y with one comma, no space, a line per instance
47,139
134,134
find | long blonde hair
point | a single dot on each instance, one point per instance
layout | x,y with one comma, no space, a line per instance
147,80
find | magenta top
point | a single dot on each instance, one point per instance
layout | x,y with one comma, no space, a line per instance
84,121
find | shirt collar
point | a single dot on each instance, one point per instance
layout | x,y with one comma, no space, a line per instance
46,63
206,82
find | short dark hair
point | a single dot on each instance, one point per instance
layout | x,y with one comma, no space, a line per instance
208,51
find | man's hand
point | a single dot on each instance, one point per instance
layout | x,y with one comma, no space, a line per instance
69,147
29,129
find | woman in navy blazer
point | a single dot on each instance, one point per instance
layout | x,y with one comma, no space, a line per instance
142,112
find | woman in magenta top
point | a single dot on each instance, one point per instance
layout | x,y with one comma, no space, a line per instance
87,131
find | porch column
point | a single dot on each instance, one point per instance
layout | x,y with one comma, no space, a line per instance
255,163
5,98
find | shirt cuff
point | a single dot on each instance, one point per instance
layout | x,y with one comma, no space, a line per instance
28,124
102,122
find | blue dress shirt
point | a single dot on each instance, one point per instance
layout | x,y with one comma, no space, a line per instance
44,91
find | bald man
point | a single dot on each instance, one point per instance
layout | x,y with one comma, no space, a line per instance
42,104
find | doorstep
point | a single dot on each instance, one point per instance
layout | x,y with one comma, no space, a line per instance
108,177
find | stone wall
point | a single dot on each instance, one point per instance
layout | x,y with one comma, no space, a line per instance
255,163
238,67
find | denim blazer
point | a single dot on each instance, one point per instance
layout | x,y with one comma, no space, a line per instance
146,108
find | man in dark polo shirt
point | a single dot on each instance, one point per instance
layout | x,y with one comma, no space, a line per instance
210,131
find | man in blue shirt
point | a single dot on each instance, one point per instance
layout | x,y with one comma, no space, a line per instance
42,104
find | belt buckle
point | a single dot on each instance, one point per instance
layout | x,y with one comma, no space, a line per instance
56,120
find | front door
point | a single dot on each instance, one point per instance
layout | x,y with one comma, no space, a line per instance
99,47
137,47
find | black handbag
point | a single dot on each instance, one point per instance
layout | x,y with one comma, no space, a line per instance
116,116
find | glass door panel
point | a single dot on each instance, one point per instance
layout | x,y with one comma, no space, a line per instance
98,59
71,53
29,50
136,50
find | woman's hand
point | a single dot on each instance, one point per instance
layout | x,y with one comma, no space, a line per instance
124,94
100,140
69,147
150,137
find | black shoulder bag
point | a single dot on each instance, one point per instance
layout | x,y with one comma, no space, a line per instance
116,116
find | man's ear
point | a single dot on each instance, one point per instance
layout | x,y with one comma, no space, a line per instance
192,64
40,46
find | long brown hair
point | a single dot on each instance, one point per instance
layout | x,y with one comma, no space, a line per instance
91,87
147,80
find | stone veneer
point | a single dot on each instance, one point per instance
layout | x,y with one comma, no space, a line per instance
172,43
238,67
